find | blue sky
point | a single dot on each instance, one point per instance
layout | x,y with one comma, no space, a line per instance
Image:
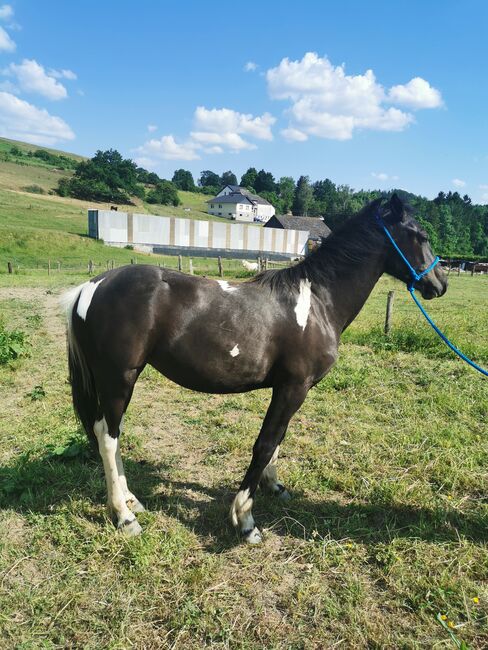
167,84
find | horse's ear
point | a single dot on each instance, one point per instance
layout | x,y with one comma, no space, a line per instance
397,208
375,205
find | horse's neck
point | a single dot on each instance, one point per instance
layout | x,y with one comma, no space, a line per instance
348,284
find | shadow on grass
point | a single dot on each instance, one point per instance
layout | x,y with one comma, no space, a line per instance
41,484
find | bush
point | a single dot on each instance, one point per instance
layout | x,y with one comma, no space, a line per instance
13,344
34,189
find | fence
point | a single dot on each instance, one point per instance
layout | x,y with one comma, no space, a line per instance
168,235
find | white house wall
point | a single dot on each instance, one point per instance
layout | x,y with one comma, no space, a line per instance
143,230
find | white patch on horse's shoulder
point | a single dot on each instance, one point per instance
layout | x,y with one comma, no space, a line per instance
225,286
235,351
86,297
302,308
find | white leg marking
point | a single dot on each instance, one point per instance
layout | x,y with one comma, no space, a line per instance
235,351
269,479
241,516
86,297
225,286
302,308
116,498
131,500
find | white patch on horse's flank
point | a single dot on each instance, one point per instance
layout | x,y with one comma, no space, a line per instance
225,286
302,308
86,297
235,351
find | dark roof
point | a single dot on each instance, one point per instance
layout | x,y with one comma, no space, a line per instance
238,193
315,225
231,198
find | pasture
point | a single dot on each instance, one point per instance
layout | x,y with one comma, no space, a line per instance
384,544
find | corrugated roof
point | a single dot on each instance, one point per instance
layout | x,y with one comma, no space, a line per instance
238,195
231,198
315,225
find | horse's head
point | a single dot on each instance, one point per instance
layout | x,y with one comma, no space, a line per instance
412,240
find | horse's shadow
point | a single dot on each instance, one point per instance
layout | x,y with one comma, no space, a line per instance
43,484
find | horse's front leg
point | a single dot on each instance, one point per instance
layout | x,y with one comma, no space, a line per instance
286,400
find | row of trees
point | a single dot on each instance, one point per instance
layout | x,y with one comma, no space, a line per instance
455,225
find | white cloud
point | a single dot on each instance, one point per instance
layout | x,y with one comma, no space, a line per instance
6,43
383,177
457,182
483,186
232,141
23,121
417,93
328,103
225,120
167,148
6,12
294,135
250,66
33,78
63,74
151,128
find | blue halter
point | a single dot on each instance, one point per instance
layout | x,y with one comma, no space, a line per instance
416,276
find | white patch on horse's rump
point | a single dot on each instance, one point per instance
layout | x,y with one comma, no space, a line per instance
86,297
225,286
302,308
235,351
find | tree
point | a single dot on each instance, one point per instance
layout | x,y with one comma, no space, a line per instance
228,178
165,193
286,190
209,178
264,182
248,179
183,180
303,197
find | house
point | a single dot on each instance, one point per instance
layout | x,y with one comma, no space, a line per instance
316,227
235,202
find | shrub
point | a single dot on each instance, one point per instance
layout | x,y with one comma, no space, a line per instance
13,344
34,189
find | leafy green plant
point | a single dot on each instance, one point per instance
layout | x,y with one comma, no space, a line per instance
13,344
36,393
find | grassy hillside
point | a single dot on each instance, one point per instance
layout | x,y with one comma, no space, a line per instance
37,227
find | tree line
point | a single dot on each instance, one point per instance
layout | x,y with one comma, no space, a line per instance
455,225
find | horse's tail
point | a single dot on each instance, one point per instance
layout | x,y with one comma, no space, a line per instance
83,387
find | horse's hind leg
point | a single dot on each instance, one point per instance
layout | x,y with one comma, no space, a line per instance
113,403
285,402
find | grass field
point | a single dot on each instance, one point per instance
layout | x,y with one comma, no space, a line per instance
387,528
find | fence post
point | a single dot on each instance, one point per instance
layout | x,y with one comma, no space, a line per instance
473,268
49,267
191,266
221,270
180,263
90,267
132,260
59,266
389,311
112,264
9,267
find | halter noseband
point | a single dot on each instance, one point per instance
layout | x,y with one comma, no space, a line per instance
416,275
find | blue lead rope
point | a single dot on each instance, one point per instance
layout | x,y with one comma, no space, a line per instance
415,278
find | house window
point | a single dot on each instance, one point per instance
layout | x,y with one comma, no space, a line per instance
220,205
212,206
230,214
220,214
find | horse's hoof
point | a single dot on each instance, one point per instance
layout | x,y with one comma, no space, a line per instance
135,505
282,493
252,536
130,528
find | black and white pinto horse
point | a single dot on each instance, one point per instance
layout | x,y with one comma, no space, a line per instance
279,330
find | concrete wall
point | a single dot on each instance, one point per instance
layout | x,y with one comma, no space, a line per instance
149,232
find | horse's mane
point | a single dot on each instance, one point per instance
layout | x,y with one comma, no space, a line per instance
351,243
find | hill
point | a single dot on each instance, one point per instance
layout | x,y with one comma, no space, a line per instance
37,225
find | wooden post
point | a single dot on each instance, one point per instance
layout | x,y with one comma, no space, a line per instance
191,266
112,264
90,267
459,269
473,268
221,270
9,267
49,267
59,266
389,311
107,265
132,260
180,263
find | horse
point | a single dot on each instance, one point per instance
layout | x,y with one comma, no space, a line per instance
250,266
278,330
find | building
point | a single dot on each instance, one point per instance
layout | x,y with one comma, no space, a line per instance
316,227
235,202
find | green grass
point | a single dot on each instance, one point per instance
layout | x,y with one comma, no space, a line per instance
387,528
